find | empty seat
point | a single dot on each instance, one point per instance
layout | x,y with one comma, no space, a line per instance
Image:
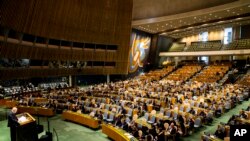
111,118
129,113
197,123
152,120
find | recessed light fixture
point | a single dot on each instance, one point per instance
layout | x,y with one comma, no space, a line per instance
210,14
228,10
220,21
194,17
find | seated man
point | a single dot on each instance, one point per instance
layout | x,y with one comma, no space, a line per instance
192,111
243,115
220,132
123,125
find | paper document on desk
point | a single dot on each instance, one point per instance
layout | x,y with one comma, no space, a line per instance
128,135
22,119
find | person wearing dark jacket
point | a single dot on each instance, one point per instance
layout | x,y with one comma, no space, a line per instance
13,123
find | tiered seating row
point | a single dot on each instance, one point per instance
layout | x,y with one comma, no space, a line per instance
245,81
177,47
204,46
184,73
212,46
211,74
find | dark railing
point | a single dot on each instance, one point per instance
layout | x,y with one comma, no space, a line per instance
55,133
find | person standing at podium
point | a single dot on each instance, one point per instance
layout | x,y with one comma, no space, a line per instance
13,123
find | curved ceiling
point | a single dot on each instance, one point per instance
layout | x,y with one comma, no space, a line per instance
229,14
144,9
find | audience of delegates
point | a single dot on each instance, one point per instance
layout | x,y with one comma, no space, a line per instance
132,104
223,129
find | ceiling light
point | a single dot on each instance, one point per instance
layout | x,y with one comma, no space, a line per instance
228,10
194,17
248,5
166,24
233,12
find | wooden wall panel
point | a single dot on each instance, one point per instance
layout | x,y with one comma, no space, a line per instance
105,22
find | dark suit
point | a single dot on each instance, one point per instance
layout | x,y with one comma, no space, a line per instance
12,123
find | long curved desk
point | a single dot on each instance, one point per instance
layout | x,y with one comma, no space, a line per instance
117,134
82,119
36,110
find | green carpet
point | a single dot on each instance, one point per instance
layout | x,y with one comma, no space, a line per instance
68,131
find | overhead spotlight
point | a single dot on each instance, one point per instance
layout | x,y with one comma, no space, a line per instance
228,10
220,21
194,17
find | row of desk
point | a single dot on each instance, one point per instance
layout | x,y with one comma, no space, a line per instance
112,132
36,110
82,119
117,134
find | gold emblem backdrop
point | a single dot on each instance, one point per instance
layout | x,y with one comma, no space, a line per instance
139,50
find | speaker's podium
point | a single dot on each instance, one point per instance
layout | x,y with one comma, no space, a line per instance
27,129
